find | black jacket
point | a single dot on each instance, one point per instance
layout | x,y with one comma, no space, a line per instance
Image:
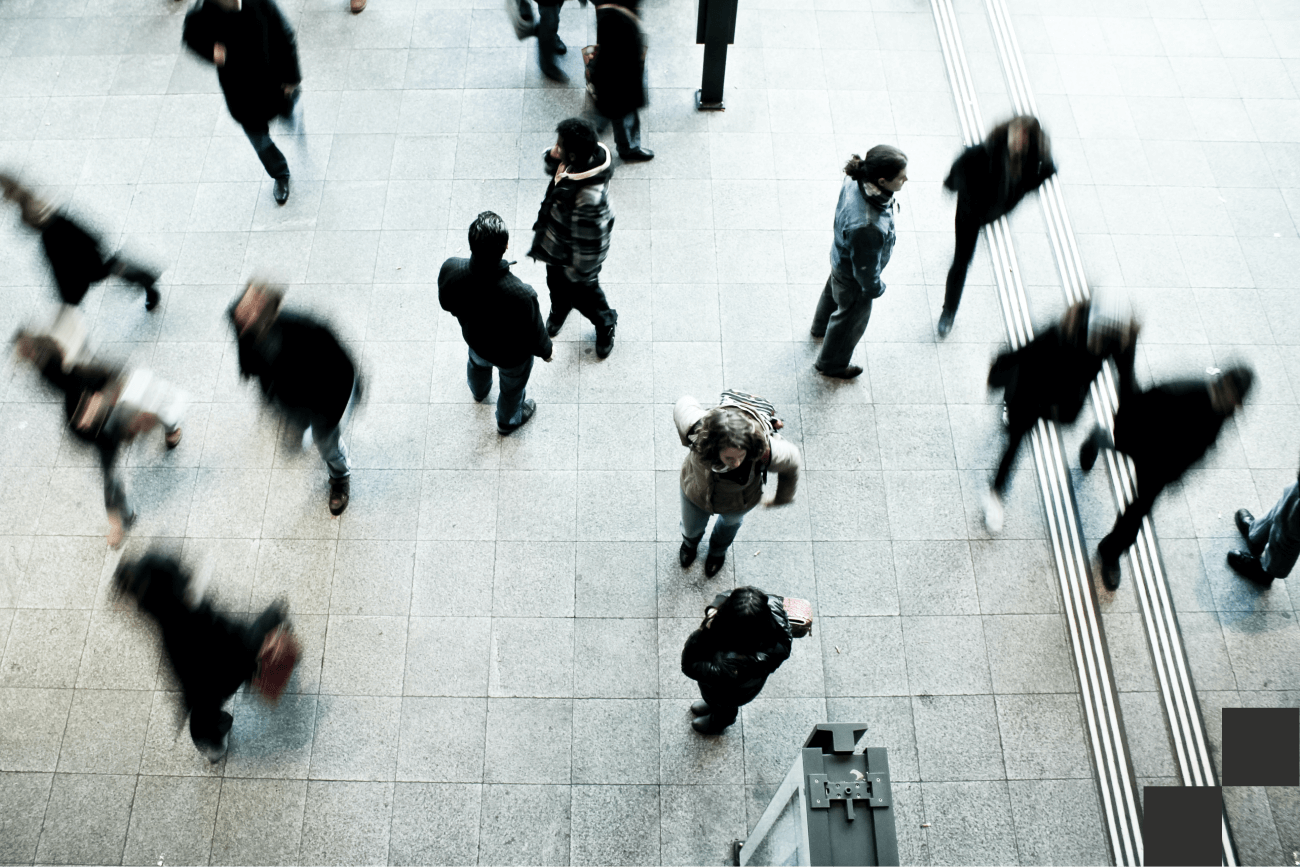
618,70
261,56
301,366
499,315
212,655
727,677
1049,377
79,383
74,256
980,178
1168,428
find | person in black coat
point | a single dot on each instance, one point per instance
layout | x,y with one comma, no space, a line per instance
990,179
304,371
100,404
618,76
1050,377
212,655
256,56
549,43
1164,430
74,254
745,637
499,319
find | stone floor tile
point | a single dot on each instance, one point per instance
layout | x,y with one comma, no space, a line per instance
525,825
364,655
935,578
957,737
615,825
121,652
269,741
1057,821
346,823
34,721
434,823
615,579
372,578
171,816
924,504
537,505
1042,736
698,823
24,797
863,655
1029,653
37,653
86,819
442,739
544,755
946,655
532,657
614,658
616,741
970,821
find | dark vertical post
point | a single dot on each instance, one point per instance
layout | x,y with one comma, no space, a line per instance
715,29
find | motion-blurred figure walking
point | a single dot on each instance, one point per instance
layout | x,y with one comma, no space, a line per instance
572,231
256,56
1049,377
74,254
212,655
107,407
1164,430
618,76
305,372
499,319
1273,541
990,179
864,240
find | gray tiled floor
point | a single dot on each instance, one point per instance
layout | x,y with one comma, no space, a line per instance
493,629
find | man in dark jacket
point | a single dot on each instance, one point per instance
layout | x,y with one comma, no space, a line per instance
1273,541
1164,430
1050,377
213,655
253,48
618,76
73,252
572,231
990,179
304,371
499,319
103,408
745,637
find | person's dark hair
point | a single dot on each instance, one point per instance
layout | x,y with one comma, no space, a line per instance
743,623
882,161
488,237
579,139
727,427
1038,147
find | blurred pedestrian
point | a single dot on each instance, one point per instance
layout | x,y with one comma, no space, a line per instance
304,371
106,406
256,55
213,655
617,72
864,239
499,319
1164,430
572,231
732,447
990,179
74,254
1050,377
549,43
741,641
1273,541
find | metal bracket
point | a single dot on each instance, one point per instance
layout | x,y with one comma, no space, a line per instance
874,790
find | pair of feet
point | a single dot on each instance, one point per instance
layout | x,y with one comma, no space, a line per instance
604,336
703,722
1247,563
712,563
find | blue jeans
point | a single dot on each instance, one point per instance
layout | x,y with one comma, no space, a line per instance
510,402
328,438
842,315
695,519
1281,547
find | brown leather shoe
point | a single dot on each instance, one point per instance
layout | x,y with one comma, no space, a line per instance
173,438
357,6
340,490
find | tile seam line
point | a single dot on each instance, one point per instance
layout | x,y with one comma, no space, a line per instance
1160,618
1097,691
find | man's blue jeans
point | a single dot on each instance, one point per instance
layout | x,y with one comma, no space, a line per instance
695,519
510,402
1271,532
842,315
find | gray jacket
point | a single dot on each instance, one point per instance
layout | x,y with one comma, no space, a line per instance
864,236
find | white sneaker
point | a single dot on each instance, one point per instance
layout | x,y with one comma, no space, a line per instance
993,511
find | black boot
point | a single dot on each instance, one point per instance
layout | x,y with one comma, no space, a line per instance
1245,522
1249,567
339,492
700,707
713,564
605,341
554,323
686,554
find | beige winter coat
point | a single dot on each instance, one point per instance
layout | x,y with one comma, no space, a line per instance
718,496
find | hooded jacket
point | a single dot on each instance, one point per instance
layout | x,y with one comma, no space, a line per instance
575,220
727,677
981,177
499,315
703,487
300,365
864,235
261,56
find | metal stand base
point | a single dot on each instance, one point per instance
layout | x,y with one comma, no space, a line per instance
707,106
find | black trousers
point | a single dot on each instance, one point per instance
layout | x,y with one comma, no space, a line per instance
721,713
1127,526
272,159
968,232
588,298
209,724
1017,430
